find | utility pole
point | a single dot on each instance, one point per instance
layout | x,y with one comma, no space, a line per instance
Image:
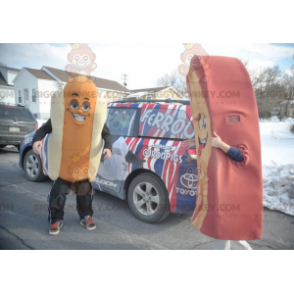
124,78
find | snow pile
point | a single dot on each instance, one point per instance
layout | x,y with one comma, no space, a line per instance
277,164
276,187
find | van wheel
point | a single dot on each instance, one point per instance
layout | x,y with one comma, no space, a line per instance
33,167
148,198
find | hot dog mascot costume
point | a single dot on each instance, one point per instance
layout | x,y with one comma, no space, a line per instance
75,144
72,148
229,193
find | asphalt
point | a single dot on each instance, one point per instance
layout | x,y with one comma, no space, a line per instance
24,224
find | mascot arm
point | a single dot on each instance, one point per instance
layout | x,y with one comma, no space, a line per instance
245,153
106,136
235,154
45,129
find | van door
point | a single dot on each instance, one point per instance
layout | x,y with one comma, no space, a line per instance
164,127
123,124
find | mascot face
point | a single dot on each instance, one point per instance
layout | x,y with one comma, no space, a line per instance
80,97
204,134
202,124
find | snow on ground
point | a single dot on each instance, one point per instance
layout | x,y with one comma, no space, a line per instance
277,144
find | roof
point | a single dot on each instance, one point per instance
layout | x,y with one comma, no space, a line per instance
138,94
10,68
40,74
3,81
99,82
156,89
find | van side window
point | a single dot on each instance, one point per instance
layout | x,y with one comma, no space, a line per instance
121,121
166,123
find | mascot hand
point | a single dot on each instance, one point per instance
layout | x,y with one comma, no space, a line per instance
36,146
107,154
189,143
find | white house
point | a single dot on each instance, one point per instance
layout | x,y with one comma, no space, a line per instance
34,88
7,74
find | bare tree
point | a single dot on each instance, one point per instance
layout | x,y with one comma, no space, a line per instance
268,87
287,103
169,79
173,80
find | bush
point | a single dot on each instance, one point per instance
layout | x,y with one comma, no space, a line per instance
292,128
264,113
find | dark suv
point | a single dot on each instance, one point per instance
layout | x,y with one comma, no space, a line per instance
15,123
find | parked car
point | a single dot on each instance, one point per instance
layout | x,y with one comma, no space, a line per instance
15,123
149,167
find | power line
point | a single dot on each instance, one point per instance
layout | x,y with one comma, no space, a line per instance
124,78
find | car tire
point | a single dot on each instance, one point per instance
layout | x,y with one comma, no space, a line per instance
148,198
33,167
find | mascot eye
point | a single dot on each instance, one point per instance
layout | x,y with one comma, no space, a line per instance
190,56
85,170
77,58
205,123
86,106
74,104
86,57
76,170
200,125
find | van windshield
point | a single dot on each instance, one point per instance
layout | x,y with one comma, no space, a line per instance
16,113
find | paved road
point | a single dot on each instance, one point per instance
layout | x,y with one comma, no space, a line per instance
24,225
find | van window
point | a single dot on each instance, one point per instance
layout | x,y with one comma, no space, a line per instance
15,113
121,121
163,121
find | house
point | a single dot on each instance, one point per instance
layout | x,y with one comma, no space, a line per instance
155,93
7,74
34,88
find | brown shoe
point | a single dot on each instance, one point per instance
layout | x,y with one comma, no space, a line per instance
55,228
88,222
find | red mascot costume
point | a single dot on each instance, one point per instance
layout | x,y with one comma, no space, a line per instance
229,193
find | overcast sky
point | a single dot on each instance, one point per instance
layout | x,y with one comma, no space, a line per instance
143,63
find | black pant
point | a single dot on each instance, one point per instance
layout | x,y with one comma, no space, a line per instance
57,198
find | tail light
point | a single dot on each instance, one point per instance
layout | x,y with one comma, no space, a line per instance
36,127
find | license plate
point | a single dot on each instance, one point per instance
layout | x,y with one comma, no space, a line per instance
13,129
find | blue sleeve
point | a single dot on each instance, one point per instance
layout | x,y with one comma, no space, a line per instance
235,154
